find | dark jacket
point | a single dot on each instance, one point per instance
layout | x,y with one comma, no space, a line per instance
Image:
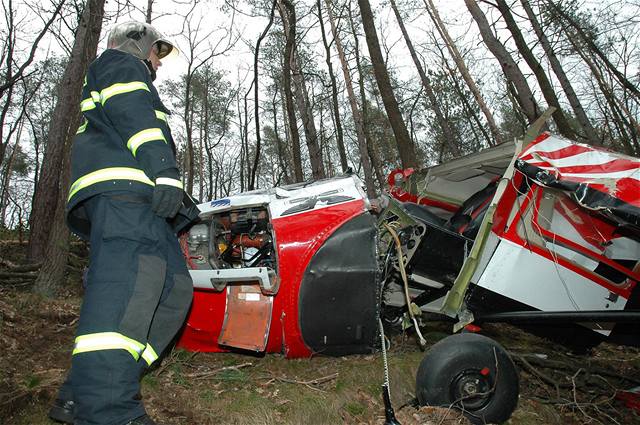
124,142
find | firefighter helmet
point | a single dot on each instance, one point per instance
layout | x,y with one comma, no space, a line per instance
138,39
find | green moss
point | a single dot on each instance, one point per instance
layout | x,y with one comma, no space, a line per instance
355,408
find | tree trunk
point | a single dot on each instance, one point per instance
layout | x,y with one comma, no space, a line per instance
306,113
279,147
545,85
610,98
406,149
462,67
3,117
302,100
595,49
588,132
371,149
509,66
149,11
290,32
204,134
629,139
51,275
69,92
65,121
357,118
188,121
451,141
4,187
334,94
203,131
256,160
463,98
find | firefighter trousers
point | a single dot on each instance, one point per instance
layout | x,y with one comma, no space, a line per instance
137,297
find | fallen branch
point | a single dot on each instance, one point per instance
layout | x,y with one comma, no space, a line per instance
20,267
24,275
204,375
309,383
528,366
17,283
559,365
169,360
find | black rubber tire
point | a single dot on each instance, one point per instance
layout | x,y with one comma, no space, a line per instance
461,363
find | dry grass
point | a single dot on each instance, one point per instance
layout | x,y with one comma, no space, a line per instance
200,389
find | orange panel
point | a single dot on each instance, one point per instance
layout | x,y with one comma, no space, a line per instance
247,318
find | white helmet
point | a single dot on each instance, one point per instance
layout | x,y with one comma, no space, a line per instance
138,39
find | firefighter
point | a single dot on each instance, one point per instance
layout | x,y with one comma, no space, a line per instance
125,187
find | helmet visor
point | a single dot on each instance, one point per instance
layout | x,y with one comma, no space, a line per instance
166,50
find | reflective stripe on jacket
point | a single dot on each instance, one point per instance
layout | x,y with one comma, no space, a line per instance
124,141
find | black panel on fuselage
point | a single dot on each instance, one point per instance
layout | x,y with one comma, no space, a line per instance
339,293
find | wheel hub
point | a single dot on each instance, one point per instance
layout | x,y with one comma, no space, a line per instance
472,389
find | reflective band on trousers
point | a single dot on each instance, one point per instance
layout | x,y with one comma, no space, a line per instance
106,174
107,341
169,182
144,136
149,354
83,127
87,105
113,90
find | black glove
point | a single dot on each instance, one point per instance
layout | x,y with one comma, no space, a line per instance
167,195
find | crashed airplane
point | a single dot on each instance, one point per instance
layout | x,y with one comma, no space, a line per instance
546,236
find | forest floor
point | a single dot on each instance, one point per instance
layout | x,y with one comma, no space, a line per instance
36,335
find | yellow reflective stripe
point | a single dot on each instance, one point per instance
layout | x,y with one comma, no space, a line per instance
149,354
107,341
144,136
87,105
169,182
105,94
161,115
120,88
82,127
85,81
106,174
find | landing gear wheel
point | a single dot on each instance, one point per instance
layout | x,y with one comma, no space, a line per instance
471,373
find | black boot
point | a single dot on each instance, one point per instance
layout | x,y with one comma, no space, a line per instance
62,411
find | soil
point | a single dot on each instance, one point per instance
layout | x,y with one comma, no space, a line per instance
36,336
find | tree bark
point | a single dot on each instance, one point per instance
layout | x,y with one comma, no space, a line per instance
69,91
306,113
451,141
545,85
256,160
334,94
51,274
406,149
65,121
371,148
149,11
188,120
290,34
462,67
628,140
595,49
357,118
588,132
508,65
4,187
302,101
279,147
